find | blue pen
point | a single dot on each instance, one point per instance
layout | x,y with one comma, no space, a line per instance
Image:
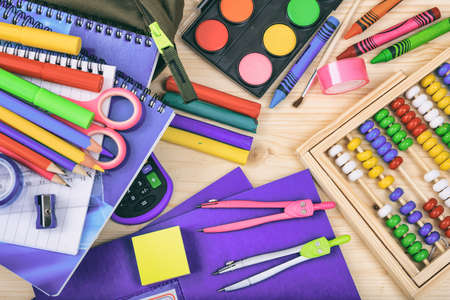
300,66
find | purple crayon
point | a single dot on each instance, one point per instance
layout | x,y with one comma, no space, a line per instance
300,66
391,33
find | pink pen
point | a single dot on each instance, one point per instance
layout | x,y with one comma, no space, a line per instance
391,33
292,209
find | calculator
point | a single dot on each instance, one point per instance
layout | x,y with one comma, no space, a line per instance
148,195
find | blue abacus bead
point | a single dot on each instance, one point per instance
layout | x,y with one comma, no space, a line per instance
443,69
378,142
384,149
390,155
396,194
414,217
432,238
447,80
373,134
407,208
366,126
425,229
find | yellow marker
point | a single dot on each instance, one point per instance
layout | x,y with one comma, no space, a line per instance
160,255
48,139
40,38
205,145
279,40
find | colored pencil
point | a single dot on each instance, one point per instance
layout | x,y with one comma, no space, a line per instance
48,139
47,122
390,34
27,153
46,174
41,149
373,15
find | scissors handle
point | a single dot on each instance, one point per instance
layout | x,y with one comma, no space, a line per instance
95,105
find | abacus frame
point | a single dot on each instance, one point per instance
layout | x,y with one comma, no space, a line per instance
313,154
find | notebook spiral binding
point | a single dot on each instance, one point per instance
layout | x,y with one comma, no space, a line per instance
122,80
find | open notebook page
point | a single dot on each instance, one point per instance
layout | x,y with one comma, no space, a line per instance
18,221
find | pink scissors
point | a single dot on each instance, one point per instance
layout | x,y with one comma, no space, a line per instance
292,209
105,126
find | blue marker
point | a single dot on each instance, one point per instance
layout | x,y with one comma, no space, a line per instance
317,43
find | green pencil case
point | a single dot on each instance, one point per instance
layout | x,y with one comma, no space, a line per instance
211,112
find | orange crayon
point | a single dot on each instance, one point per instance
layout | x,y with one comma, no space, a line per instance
371,17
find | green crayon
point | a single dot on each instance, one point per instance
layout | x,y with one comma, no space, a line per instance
413,42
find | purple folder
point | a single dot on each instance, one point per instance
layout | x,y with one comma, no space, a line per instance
109,271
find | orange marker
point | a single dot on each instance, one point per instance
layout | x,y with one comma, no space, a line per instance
35,158
371,17
46,174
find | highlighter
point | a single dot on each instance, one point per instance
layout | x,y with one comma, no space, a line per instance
45,99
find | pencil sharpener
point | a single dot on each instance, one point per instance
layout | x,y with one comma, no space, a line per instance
45,207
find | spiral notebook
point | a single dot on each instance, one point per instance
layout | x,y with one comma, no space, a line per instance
50,271
134,55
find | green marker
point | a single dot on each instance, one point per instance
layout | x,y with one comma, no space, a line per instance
45,99
413,41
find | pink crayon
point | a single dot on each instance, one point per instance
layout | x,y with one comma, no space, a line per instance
391,33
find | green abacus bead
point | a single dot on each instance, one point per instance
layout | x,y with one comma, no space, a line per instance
423,254
393,129
386,122
408,240
381,114
393,221
441,130
405,144
446,138
400,231
399,136
414,248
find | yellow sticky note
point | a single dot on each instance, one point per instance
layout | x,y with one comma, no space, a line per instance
160,255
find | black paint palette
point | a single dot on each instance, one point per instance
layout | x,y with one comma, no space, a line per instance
253,41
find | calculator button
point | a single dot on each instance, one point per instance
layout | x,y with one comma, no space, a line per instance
144,191
147,169
144,203
133,198
153,180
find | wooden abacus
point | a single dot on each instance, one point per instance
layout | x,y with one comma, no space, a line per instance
381,134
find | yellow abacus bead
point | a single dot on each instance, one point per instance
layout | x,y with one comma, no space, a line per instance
376,171
436,150
441,157
386,182
430,143
444,102
447,110
427,80
354,143
432,88
440,93
445,166
363,156
424,136
370,163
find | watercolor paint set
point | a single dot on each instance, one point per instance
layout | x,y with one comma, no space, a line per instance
253,41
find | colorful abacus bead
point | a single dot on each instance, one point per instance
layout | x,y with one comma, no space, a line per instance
444,132
433,88
408,240
398,136
440,186
443,71
425,106
348,166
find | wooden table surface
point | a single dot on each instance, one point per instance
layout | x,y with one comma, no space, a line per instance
280,132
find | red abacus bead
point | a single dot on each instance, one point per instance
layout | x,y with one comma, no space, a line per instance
418,130
397,103
413,123
402,110
445,223
408,117
436,212
395,163
430,204
447,233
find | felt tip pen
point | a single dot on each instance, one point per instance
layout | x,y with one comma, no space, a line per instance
413,42
296,72
390,34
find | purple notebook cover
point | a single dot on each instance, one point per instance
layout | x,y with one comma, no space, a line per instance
131,53
110,272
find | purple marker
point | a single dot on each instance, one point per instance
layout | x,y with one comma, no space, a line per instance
212,132
47,122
